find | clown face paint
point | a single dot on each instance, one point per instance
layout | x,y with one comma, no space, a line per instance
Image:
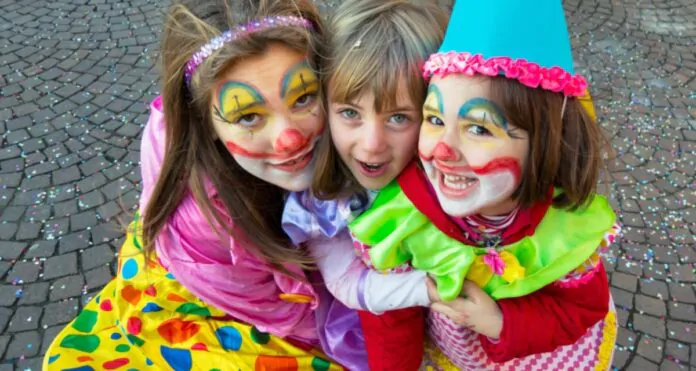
376,146
266,112
472,156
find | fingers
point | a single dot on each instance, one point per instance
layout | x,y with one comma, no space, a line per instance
460,318
471,291
433,295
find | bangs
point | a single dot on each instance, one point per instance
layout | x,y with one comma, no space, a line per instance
380,71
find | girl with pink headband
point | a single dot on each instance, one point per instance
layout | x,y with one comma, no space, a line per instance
207,279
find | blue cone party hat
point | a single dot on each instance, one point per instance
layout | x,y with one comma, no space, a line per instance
520,39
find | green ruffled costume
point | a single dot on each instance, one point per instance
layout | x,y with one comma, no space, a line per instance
399,233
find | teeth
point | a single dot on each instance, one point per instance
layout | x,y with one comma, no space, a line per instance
371,166
458,182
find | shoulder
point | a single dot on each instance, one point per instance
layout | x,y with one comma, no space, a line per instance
306,217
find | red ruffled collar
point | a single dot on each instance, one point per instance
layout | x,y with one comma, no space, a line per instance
415,185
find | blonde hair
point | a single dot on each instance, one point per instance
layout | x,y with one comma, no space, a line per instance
374,46
193,154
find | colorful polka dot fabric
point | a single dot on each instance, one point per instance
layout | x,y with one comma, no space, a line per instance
145,320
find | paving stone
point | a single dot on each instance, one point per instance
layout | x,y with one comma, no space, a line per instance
55,228
4,267
651,349
7,230
66,175
682,311
4,341
11,180
74,241
5,315
25,318
48,335
654,288
34,293
98,277
37,213
668,365
7,294
91,182
116,189
11,250
67,287
24,271
28,231
650,305
83,220
677,350
649,325
59,266
682,273
30,363
681,331
25,344
90,200
96,256
41,249
106,232
60,312
65,208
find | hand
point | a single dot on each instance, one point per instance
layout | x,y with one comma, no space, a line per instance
475,310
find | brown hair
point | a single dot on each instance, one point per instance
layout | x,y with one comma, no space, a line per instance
565,145
373,46
193,154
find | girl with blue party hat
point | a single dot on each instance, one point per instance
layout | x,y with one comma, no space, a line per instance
501,211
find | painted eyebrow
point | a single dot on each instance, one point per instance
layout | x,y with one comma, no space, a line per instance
258,98
285,88
438,95
496,117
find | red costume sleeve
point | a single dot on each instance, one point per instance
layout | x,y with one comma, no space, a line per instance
394,339
549,318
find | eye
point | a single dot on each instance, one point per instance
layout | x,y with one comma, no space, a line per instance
478,130
249,119
398,118
349,114
434,120
305,100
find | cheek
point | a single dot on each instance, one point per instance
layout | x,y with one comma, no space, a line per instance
428,139
242,142
310,123
406,144
342,135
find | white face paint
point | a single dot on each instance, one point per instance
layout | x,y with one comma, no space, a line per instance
266,112
471,155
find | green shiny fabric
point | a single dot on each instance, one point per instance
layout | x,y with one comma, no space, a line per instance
398,233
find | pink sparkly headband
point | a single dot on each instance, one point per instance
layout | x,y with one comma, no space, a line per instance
240,31
530,74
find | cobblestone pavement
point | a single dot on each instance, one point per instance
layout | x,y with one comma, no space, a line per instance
75,80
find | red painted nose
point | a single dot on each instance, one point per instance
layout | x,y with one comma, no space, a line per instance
443,152
289,140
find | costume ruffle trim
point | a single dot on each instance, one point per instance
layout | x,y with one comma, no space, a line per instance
530,74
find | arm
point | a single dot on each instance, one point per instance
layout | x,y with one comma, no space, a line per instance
549,318
358,287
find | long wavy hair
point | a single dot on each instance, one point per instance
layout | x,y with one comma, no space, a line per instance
193,155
